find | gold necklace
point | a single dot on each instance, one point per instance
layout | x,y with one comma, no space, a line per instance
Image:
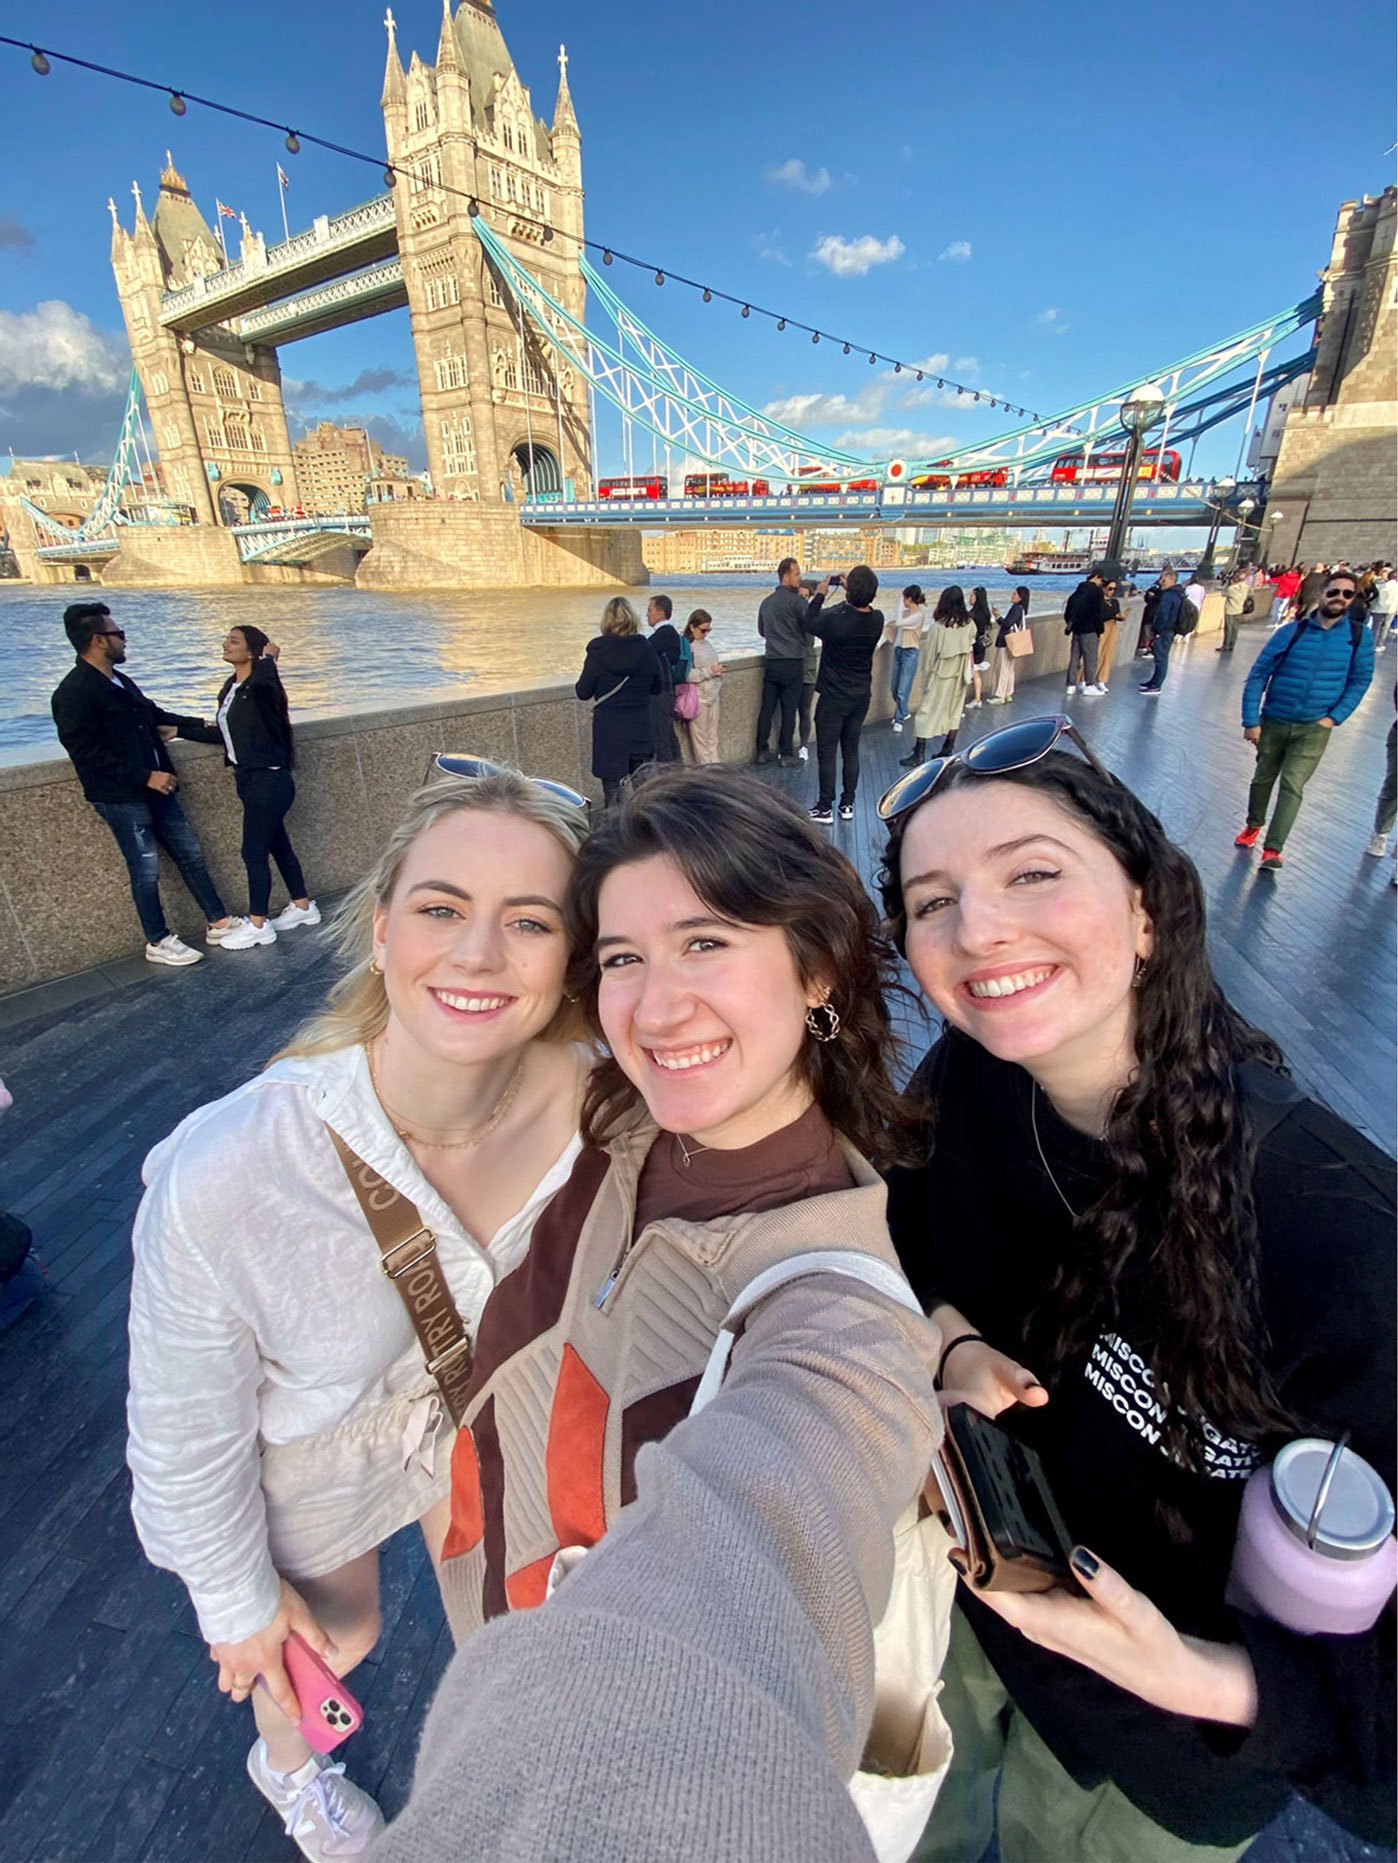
502,1106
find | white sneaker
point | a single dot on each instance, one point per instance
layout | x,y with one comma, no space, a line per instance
974,705
1378,846
896,725
247,935
1068,691
297,915
325,1815
846,812
172,950
804,754
1096,691
215,934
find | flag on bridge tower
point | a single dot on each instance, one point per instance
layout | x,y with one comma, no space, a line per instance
283,183
224,213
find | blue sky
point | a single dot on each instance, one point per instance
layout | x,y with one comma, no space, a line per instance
1053,198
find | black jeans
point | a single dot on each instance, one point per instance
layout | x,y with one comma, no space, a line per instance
662,711
781,686
141,830
838,723
266,795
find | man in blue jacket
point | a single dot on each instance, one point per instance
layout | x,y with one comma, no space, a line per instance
1165,622
1306,680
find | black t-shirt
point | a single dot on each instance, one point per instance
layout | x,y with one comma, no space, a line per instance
847,658
980,1225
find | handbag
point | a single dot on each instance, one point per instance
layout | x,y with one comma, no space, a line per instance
1018,642
408,1256
687,701
908,1752
991,1493
1249,605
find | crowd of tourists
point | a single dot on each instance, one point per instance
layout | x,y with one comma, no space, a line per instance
812,1464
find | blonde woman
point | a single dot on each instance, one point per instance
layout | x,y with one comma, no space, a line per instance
700,736
621,673
282,1420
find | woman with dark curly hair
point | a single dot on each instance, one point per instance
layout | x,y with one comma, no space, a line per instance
734,966
1164,1262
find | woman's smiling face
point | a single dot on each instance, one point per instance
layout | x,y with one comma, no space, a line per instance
706,1018
1023,929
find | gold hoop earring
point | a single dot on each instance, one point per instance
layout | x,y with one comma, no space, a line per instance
1139,975
828,1029
374,970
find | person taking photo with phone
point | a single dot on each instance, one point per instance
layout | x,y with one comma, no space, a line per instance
1160,1263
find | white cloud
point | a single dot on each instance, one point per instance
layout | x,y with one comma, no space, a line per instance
958,252
802,412
794,174
967,366
54,346
1047,316
893,442
768,246
937,398
851,258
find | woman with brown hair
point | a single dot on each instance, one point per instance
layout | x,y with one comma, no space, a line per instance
282,1420
734,1125
700,737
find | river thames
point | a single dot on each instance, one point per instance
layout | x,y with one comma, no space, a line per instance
347,650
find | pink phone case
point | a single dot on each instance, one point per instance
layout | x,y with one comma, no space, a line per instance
329,1713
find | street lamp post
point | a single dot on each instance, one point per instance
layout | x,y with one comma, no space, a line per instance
1140,410
1218,498
1246,507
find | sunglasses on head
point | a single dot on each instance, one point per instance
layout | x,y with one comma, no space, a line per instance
449,764
1013,748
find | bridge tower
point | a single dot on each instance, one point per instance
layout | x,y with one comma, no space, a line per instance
215,404
501,415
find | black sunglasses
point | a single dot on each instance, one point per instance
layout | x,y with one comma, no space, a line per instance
475,767
113,633
1347,593
1013,748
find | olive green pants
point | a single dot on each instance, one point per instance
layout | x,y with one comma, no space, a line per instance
1042,1815
1290,752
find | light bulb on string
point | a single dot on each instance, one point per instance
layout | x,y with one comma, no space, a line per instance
178,106
846,348
919,375
606,258
390,180
473,208
660,278
708,295
781,323
815,336
747,310
40,63
548,235
293,143
872,358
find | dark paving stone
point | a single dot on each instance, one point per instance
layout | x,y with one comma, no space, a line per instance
114,1742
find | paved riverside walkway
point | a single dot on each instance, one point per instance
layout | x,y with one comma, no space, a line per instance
114,1743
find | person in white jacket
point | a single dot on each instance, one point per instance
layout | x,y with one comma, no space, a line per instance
282,1419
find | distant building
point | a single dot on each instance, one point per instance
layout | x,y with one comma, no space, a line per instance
339,469
1335,482
62,489
738,550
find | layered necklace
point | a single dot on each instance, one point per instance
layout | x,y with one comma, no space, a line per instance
474,1137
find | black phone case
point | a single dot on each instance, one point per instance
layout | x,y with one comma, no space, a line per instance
1017,1504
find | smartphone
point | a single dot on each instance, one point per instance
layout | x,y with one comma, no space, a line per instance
837,582
1016,1505
329,1713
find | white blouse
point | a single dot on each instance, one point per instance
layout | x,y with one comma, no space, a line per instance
260,1314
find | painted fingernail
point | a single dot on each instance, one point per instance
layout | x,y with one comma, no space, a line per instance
1084,1563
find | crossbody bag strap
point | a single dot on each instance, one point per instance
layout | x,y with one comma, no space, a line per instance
408,1256
874,1273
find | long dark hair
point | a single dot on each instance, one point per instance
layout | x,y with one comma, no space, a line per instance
751,856
980,608
951,608
257,643
1178,1211
1022,597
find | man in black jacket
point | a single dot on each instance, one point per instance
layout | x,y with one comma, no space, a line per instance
844,684
116,738
665,639
1084,617
784,622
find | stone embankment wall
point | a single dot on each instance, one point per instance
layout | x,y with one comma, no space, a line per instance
65,904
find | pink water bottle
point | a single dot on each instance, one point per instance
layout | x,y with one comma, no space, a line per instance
1315,1548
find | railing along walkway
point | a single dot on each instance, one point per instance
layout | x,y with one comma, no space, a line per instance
114,1743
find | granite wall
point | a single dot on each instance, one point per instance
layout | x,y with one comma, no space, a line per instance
65,904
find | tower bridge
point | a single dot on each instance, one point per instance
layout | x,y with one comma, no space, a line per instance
518,342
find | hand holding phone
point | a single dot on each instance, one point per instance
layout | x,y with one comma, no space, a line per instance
329,1712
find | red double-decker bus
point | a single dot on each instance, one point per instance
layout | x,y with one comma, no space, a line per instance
982,481
833,485
1105,468
719,485
637,487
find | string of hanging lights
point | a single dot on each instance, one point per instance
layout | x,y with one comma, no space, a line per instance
42,60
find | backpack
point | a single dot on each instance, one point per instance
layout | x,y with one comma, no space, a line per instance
1188,617
1357,631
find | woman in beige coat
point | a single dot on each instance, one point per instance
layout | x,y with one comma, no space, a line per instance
699,739
946,665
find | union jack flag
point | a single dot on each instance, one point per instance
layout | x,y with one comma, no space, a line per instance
225,213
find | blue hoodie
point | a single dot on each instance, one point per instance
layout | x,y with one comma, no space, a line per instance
1324,675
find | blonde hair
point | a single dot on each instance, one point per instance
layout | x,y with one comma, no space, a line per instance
356,1008
619,617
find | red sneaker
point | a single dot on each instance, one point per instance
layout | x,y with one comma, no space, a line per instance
1271,859
1248,838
